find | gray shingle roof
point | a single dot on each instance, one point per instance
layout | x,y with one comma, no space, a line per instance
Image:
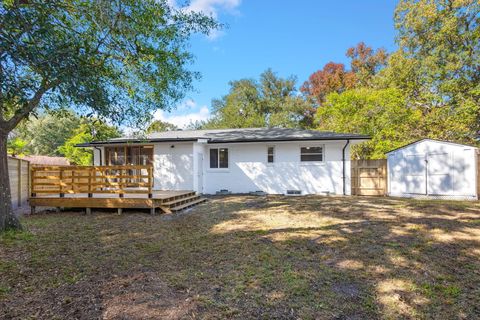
236,135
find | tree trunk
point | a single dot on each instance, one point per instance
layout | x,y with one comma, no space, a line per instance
7,218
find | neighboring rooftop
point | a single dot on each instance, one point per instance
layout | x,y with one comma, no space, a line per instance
46,160
235,135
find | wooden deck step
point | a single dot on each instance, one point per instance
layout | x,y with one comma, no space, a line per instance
187,205
178,197
179,201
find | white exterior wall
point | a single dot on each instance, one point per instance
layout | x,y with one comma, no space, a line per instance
187,167
249,171
173,167
433,168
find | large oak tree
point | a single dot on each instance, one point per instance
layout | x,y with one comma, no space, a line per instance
115,59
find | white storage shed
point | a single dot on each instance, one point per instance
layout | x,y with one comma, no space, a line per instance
432,168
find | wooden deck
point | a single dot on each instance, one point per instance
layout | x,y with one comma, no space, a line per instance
119,187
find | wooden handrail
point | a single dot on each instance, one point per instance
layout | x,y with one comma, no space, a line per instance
91,179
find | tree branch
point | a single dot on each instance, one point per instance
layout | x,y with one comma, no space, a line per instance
30,105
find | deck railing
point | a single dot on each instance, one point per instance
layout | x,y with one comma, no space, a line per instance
91,179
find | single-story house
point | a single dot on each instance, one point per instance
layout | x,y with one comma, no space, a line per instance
274,160
432,168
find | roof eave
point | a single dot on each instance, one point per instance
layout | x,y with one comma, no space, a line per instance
218,141
365,138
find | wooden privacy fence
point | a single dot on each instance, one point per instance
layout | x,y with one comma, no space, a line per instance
91,179
18,171
369,177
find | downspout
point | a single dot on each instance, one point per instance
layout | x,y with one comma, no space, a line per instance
343,163
100,152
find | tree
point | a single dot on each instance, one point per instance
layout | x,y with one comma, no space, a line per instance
115,59
437,66
159,126
46,133
332,78
366,63
88,131
17,147
270,102
380,114
443,37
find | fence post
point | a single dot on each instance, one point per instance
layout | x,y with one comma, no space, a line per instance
89,188
150,181
19,184
32,184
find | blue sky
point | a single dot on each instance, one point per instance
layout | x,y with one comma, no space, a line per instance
291,37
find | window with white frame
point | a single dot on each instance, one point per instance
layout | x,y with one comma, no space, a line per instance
313,153
219,158
270,154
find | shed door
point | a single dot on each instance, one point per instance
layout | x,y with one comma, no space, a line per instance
415,177
439,174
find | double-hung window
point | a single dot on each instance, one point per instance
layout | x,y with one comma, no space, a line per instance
219,158
270,154
313,153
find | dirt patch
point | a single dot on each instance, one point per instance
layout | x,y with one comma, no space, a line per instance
144,296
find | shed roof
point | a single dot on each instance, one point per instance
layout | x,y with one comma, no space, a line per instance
433,140
235,135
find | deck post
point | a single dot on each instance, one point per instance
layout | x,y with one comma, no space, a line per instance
88,211
119,211
152,211
61,194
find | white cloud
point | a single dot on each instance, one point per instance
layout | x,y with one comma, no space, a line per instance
210,8
183,120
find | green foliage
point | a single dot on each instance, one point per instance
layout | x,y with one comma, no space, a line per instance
270,102
443,39
437,65
57,133
48,132
379,113
159,126
17,147
78,156
429,87
119,59
86,132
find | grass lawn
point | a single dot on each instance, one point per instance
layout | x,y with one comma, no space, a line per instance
249,257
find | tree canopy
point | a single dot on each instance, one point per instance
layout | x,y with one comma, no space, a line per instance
271,101
159,125
87,131
429,87
112,59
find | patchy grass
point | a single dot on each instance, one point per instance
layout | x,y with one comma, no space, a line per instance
248,257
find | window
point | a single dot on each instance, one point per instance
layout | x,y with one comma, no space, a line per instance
131,155
219,158
270,154
311,154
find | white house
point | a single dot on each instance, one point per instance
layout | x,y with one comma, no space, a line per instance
275,161
431,168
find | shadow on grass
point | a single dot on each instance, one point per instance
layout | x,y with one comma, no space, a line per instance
248,258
